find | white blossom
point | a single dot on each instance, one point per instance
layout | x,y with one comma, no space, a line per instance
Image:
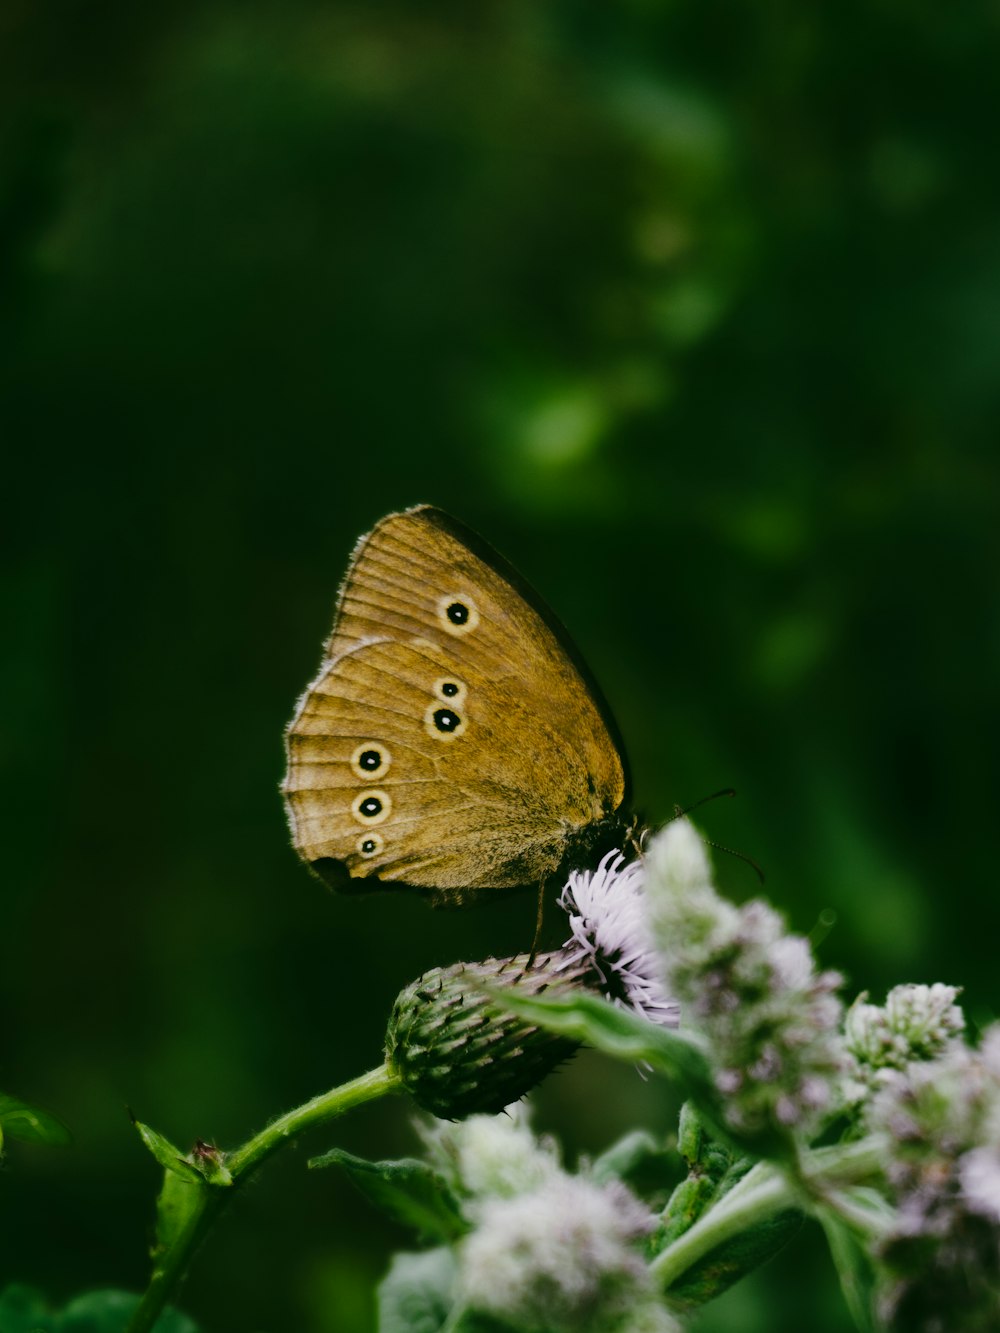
979,1177
940,1119
561,1257
750,989
917,1023
489,1156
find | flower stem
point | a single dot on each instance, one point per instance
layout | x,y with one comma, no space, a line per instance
765,1190
208,1200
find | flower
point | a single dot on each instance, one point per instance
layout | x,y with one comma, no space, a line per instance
546,1251
560,1257
941,1120
457,1050
610,932
750,989
917,1023
488,1156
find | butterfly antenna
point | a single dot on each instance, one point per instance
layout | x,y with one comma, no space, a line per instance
680,812
740,856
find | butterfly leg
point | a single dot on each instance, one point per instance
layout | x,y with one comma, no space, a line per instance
635,836
539,916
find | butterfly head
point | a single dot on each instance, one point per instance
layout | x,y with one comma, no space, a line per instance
613,832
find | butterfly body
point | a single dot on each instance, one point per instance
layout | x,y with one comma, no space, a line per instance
452,740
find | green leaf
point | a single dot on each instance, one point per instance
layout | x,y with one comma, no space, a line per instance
169,1157
623,1034
646,1164
110,1311
408,1190
29,1124
733,1260
713,1169
698,1147
634,1153
687,1203
849,1252
416,1294
24,1310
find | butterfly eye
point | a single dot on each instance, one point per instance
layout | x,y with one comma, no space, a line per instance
458,614
370,758
371,807
444,724
370,845
450,689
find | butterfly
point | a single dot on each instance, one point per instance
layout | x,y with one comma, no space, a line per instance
453,741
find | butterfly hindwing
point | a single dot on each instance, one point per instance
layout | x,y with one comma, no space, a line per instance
451,740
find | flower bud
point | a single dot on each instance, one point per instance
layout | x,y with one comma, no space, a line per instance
458,1052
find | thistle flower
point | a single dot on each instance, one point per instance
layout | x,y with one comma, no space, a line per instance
458,1051
941,1260
752,991
610,932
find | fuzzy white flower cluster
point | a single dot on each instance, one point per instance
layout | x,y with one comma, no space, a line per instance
916,1023
548,1252
941,1120
752,990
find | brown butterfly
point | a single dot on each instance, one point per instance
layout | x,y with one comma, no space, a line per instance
453,741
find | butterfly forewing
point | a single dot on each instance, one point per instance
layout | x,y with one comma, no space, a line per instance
451,739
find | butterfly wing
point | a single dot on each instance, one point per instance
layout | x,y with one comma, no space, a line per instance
452,740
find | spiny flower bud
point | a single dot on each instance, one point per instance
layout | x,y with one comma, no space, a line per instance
458,1052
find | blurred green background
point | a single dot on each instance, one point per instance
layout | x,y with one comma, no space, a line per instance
692,309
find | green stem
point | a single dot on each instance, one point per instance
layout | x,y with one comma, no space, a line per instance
765,1190
170,1267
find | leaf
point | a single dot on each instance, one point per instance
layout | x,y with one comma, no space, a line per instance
733,1260
110,1311
687,1203
623,1034
697,1146
416,1294
713,1169
23,1310
633,1153
29,1124
169,1157
851,1259
707,1154
616,1031
408,1190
